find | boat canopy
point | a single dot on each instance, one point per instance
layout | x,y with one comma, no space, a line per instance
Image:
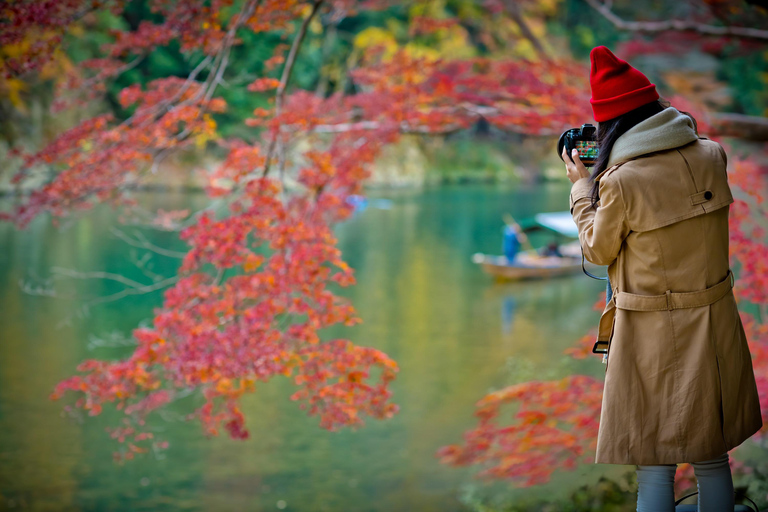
559,222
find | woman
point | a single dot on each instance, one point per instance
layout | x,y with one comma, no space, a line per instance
679,384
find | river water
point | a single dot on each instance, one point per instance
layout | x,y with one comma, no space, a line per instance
455,333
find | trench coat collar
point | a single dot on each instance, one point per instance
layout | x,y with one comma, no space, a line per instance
668,129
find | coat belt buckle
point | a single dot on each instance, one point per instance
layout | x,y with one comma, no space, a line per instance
596,350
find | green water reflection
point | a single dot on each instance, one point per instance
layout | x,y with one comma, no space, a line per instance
455,334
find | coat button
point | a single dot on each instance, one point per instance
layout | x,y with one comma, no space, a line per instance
707,195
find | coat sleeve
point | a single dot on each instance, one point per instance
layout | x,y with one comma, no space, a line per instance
601,229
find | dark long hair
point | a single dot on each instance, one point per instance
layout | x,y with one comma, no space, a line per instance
609,131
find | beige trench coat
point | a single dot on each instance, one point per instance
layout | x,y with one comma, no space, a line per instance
679,384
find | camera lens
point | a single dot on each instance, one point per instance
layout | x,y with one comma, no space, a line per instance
561,144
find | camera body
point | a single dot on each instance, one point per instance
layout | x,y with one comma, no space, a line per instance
584,139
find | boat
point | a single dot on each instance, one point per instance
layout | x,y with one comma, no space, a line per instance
531,264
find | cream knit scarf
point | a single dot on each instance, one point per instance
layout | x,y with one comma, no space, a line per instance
666,130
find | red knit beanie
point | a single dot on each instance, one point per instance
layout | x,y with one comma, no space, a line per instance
617,87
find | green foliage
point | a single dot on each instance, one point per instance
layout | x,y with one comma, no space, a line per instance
604,496
584,29
464,159
85,43
755,484
747,75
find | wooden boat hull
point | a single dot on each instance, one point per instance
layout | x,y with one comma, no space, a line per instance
527,265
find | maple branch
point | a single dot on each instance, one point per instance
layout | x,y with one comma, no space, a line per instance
291,59
281,155
91,82
165,104
405,128
287,70
223,56
220,63
513,9
740,125
134,291
133,287
331,34
476,111
74,274
679,25
141,242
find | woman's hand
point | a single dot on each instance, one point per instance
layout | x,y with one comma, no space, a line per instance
574,170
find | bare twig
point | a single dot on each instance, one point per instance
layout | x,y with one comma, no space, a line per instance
90,82
222,57
287,70
679,25
281,155
475,112
75,274
143,263
84,308
134,291
141,242
375,125
133,288
331,27
165,104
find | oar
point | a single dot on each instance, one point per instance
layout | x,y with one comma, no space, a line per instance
510,221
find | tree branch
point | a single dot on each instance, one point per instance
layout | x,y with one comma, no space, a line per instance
74,274
141,242
741,126
678,25
513,9
287,70
404,128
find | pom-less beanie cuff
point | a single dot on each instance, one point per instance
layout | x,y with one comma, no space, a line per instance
609,108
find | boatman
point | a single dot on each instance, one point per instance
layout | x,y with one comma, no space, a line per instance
511,241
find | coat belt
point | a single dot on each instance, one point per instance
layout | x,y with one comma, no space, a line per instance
675,300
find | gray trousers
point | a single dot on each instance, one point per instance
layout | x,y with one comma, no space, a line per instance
656,493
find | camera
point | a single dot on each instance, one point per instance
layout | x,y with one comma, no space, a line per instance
584,139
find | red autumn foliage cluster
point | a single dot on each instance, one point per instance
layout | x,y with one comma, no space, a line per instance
556,427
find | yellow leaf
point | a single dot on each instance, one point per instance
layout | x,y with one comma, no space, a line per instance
11,88
252,262
76,29
374,36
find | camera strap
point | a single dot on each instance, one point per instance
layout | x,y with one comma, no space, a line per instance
587,272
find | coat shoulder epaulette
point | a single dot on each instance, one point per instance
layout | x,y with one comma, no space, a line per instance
609,170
